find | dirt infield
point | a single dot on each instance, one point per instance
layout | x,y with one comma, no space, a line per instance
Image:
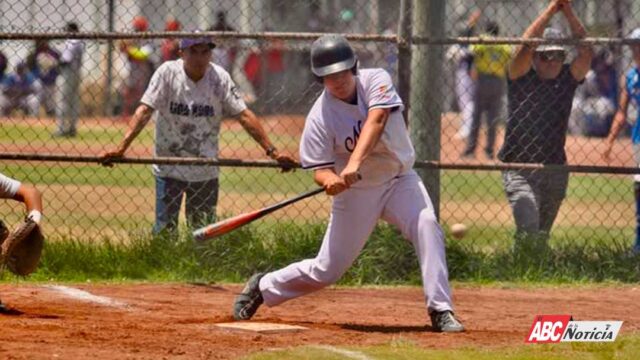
177,321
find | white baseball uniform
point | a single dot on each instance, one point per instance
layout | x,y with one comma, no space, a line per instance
69,96
389,190
189,116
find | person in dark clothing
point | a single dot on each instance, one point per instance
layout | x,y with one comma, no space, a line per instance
541,88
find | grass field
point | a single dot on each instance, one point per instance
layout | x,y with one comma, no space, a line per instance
88,202
626,347
95,202
98,222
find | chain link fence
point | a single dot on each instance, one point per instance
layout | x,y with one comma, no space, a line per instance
435,51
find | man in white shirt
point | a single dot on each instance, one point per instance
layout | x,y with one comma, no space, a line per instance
356,142
69,97
191,94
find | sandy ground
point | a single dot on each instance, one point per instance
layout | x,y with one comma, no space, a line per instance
177,321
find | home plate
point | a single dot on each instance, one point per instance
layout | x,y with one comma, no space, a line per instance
260,327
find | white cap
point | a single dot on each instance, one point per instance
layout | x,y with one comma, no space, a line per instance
551,34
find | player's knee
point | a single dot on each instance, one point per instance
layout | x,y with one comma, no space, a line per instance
326,274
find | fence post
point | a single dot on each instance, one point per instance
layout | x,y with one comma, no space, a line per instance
108,108
426,92
404,55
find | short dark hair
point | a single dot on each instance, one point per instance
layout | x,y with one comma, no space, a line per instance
492,28
71,27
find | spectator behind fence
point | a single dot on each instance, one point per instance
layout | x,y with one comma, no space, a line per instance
630,91
140,67
68,110
20,92
489,71
170,48
541,88
191,95
462,58
43,63
595,101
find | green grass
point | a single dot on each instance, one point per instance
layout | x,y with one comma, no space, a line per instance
625,347
487,186
386,260
241,180
109,136
25,134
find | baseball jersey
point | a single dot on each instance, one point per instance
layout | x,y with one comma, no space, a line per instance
8,187
332,129
189,115
632,84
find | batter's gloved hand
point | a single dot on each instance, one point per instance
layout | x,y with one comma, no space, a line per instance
21,249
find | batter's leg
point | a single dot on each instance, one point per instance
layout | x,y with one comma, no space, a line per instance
353,216
409,207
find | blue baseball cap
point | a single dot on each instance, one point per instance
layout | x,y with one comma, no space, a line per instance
189,42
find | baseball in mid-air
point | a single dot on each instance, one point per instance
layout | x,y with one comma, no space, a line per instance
458,230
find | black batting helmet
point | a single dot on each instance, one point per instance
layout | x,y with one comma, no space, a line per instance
331,54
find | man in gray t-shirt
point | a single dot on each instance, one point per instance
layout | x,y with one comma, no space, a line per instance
191,95
540,90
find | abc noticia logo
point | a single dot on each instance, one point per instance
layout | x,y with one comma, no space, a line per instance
562,328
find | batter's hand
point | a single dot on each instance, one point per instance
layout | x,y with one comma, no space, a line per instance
107,157
334,185
350,174
287,163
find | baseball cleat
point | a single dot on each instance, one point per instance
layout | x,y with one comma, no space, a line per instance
249,300
444,321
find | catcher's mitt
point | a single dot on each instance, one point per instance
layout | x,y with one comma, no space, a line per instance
21,250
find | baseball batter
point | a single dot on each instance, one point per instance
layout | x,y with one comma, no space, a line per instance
356,142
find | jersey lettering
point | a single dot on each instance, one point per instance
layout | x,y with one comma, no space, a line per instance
350,143
194,110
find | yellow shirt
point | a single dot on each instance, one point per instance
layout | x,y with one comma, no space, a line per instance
491,59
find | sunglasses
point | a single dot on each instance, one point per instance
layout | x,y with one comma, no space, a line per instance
551,55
